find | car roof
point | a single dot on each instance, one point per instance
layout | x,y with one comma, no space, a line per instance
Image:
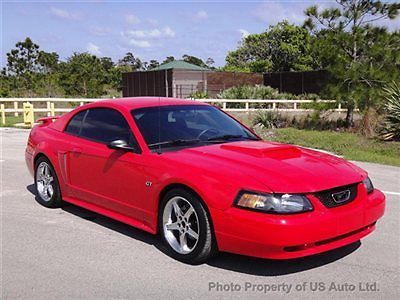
140,102
126,104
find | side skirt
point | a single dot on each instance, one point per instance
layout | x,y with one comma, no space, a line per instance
111,214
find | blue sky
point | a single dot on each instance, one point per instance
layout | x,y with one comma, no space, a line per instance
149,29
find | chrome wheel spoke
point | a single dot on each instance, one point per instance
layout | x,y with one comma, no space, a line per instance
172,226
177,210
183,241
192,234
188,213
50,190
46,171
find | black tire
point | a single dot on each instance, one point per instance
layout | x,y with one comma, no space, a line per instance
55,200
205,247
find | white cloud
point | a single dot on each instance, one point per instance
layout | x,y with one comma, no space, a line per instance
140,43
274,12
93,49
132,19
244,33
155,33
99,31
146,38
166,32
64,14
201,15
135,38
135,33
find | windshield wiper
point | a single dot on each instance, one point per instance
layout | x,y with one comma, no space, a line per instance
227,137
176,142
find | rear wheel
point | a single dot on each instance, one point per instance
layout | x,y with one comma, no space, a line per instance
47,188
185,227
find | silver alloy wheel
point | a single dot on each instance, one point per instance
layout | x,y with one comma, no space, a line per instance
181,225
44,181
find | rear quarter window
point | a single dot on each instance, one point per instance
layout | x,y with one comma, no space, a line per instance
75,124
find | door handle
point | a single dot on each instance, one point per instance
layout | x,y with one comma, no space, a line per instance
77,150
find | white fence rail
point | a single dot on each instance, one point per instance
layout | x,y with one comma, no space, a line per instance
28,107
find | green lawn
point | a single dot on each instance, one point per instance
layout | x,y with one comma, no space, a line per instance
349,145
11,120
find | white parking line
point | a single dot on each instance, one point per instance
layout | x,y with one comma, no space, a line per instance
391,193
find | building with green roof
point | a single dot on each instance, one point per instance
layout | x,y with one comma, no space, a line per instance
179,65
181,79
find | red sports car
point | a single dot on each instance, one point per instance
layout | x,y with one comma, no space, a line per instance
201,179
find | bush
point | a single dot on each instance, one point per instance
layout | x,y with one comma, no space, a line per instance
268,119
261,92
313,121
199,95
391,130
249,92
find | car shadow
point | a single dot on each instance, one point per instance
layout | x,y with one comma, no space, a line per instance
269,267
106,222
227,261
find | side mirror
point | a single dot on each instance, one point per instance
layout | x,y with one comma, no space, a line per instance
120,145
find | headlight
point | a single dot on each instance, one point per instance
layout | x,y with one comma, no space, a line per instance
273,203
368,185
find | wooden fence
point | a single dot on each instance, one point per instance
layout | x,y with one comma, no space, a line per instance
28,107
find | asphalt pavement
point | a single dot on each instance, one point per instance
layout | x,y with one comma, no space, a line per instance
74,253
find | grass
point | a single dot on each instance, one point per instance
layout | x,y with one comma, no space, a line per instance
12,120
349,145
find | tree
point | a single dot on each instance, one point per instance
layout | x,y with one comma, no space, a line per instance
210,62
107,63
351,48
168,59
23,59
129,60
153,64
83,75
48,75
48,61
22,64
194,60
5,86
282,47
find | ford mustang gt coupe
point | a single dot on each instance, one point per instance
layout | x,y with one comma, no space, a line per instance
200,179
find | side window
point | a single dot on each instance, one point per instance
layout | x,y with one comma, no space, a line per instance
75,123
105,125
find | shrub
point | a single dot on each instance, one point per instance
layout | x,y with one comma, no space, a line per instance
391,130
199,95
268,119
249,92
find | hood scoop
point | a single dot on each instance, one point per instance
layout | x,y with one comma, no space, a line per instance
264,149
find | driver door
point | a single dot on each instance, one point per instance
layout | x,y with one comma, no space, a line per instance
108,178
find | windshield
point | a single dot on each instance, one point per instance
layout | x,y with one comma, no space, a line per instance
187,126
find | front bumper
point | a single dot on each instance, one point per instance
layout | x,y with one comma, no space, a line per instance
290,236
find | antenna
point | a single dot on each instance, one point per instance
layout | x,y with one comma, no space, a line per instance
159,125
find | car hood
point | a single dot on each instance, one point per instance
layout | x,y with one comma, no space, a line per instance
280,167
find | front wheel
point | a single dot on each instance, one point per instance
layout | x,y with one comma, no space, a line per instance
185,227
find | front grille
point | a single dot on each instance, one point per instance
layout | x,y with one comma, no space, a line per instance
338,196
